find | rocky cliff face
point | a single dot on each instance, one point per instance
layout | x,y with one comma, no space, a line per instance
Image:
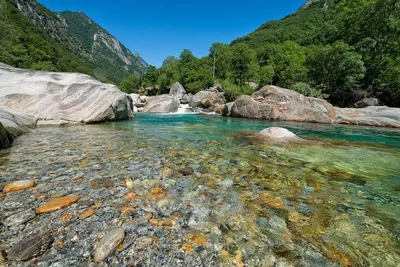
85,38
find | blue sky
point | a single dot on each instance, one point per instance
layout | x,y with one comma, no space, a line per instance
159,28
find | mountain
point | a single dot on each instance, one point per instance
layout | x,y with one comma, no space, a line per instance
83,39
307,26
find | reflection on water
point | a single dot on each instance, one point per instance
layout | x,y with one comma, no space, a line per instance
327,203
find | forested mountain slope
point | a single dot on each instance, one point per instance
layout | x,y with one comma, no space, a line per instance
37,38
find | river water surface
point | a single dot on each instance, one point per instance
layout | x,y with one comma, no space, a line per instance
207,193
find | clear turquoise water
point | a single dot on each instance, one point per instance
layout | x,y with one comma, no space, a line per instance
206,126
337,195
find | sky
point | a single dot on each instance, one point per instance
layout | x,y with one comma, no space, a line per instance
159,28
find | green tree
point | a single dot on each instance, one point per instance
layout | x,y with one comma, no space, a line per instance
131,84
243,63
220,55
150,78
337,70
169,74
267,74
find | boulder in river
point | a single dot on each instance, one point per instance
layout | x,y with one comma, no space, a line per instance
195,102
135,98
205,99
186,98
275,103
177,90
278,134
56,96
162,104
227,109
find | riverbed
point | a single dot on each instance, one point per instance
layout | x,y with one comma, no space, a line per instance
203,191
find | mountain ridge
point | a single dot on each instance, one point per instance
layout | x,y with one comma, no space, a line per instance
110,59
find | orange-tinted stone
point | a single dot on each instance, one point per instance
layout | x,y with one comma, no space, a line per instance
158,192
19,185
187,247
271,200
86,214
198,239
153,222
166,223
66,217
57,203
130,196
338,256
224,254
127,209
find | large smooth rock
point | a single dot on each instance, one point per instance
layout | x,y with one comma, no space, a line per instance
367,102
135,98
186,98
13,124
57,96
162,104
108,244
275,103
195,102
227,109
207,99
177,90
31,246
370,116
213,99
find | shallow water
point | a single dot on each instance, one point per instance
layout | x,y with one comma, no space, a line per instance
210,194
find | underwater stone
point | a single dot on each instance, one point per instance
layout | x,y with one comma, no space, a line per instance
108,244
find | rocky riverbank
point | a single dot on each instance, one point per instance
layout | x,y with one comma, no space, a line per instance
270,103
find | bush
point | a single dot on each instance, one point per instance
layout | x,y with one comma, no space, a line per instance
232,91
307,90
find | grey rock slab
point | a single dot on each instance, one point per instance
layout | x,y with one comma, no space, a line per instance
177,90
108,244
162,104
62,97
13,124
31,246
19,218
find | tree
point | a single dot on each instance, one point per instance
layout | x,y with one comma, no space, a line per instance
219,53
267,74
243,63
337,70
169,74
131,84
150,77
